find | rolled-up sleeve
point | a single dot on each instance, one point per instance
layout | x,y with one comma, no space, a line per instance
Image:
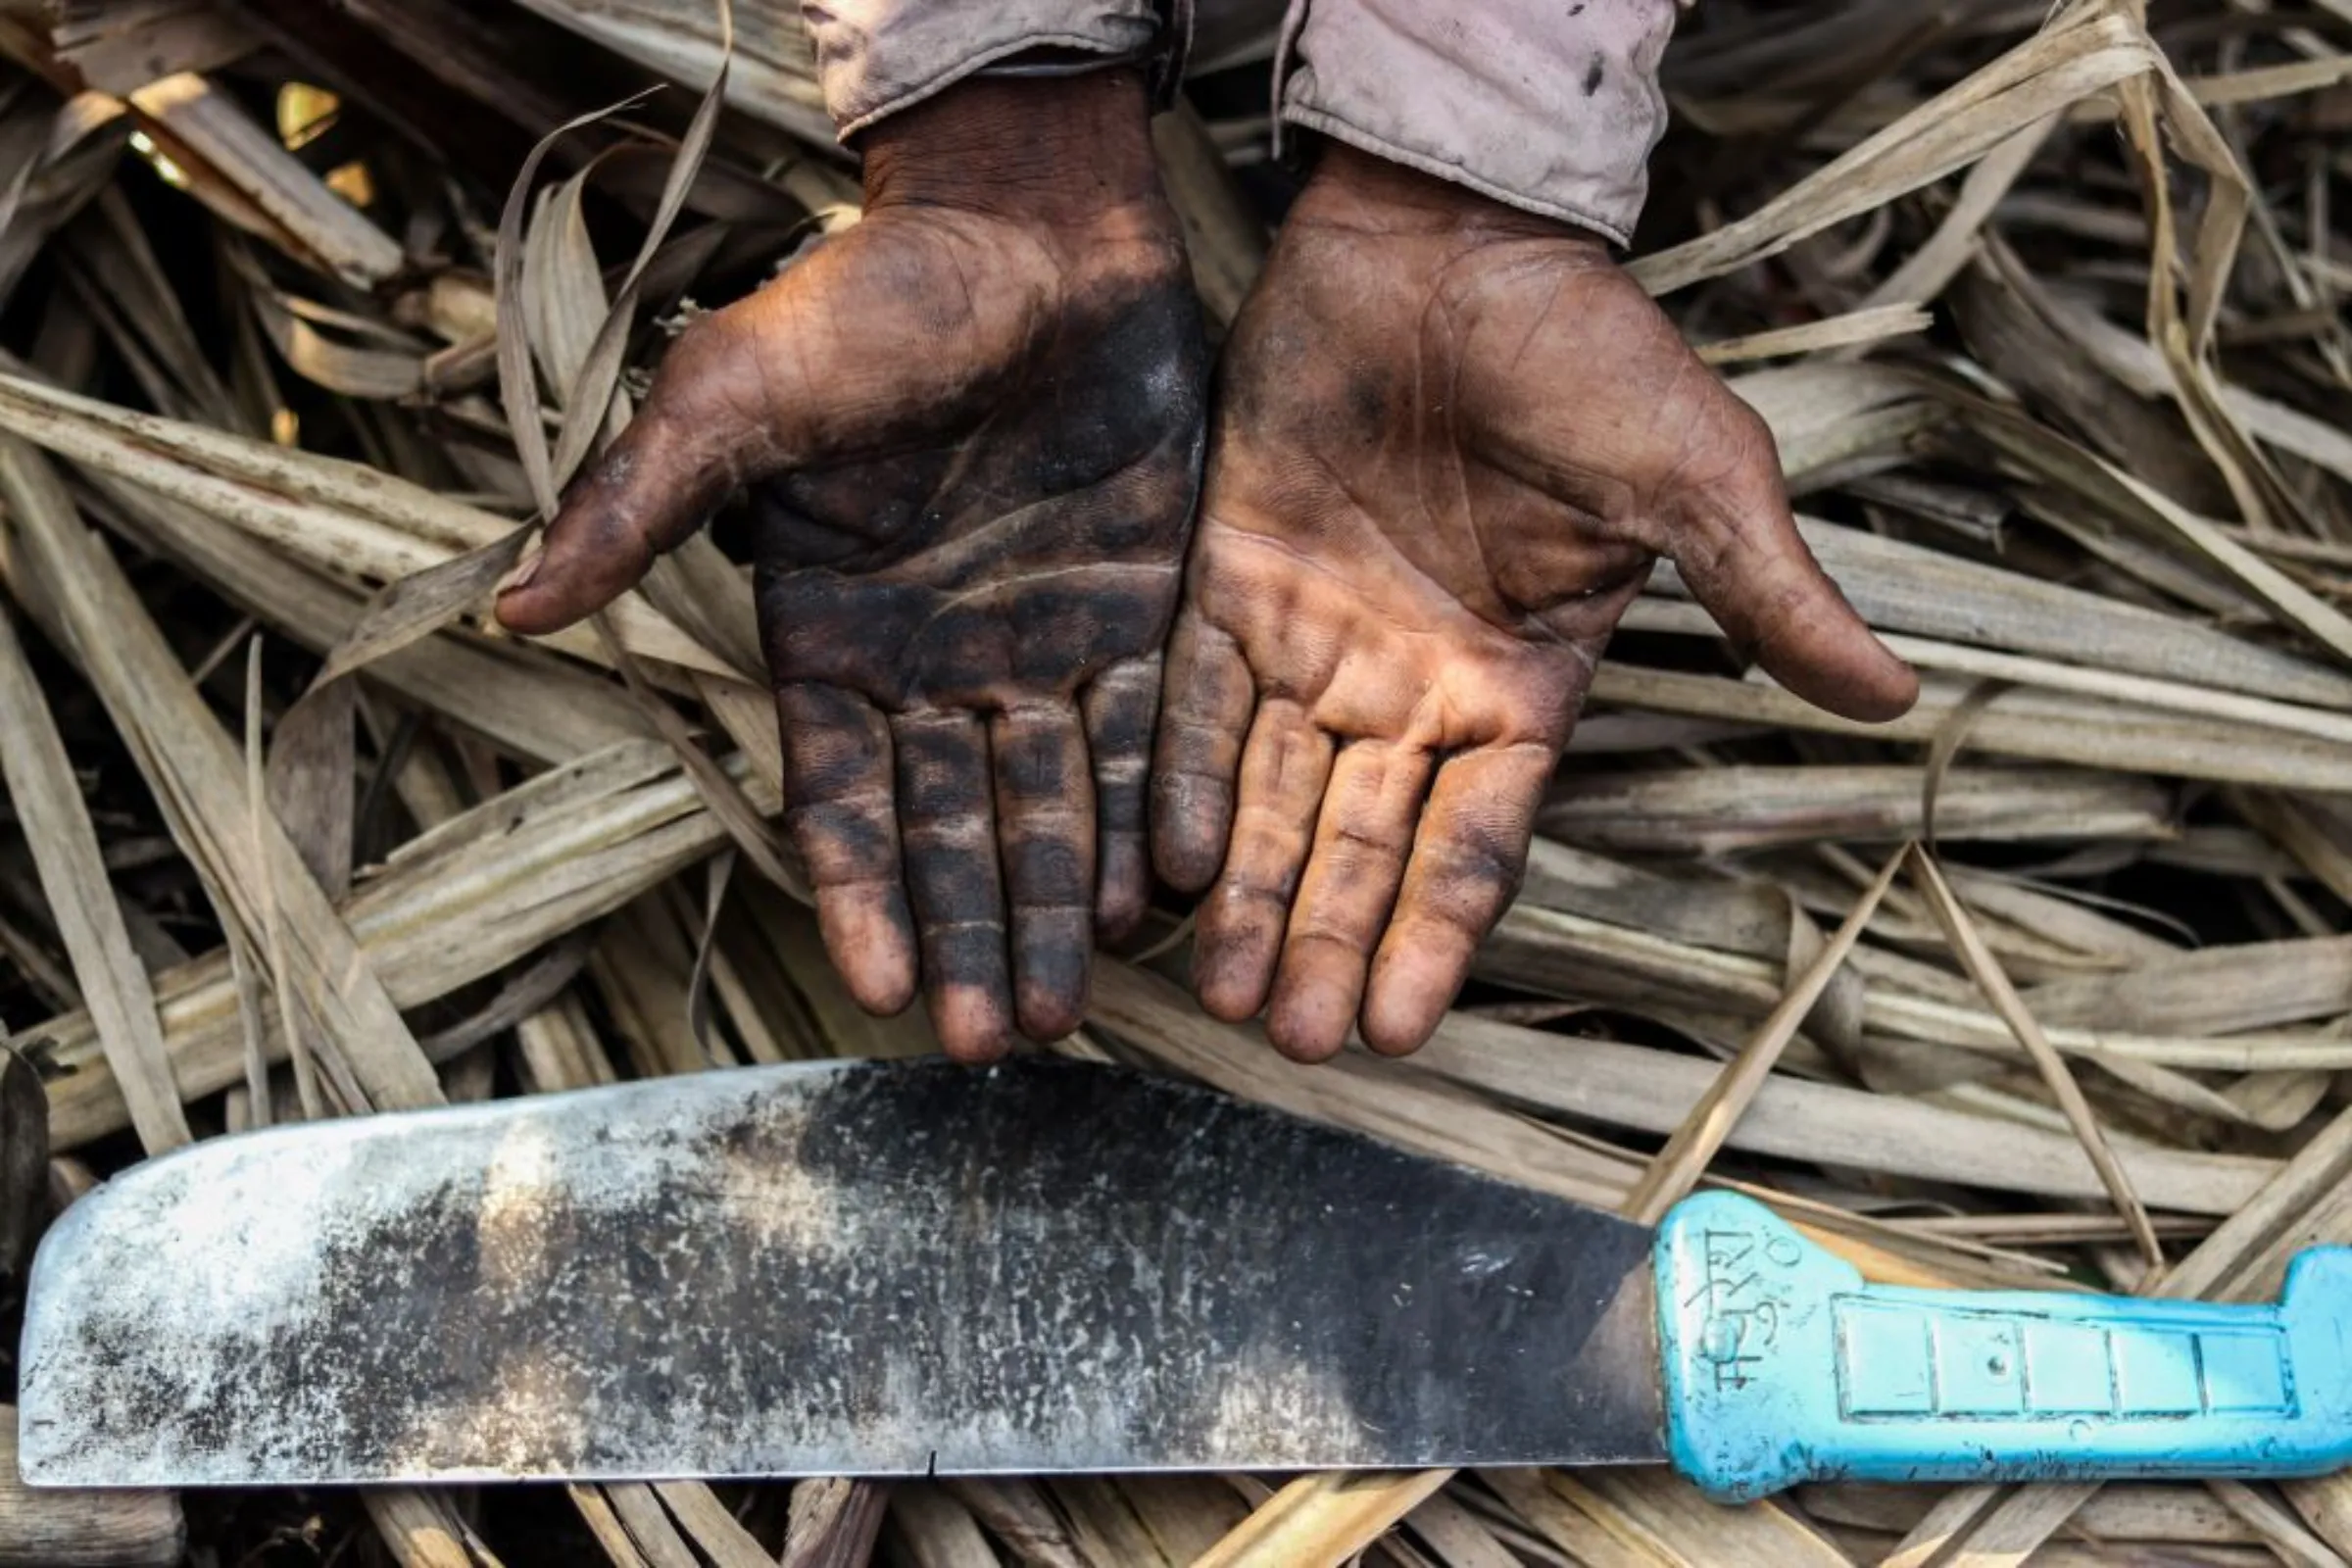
1549,105
876,57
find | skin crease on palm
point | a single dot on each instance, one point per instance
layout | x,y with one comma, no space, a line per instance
1451,439
972,426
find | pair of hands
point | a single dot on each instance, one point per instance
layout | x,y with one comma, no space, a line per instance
1449,440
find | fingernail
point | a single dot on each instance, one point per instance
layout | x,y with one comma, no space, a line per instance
524,570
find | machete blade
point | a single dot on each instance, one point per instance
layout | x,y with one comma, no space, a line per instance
836,1268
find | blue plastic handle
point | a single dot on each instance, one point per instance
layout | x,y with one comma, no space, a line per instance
1783,1366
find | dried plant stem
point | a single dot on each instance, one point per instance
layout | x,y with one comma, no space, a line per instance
1678,1167
1986,970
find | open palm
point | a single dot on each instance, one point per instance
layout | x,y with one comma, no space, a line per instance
1449,442
973,426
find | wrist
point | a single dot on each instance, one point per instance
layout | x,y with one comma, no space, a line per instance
1053,150
1356,188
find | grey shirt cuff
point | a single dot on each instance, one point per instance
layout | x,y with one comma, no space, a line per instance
878,57
1551,105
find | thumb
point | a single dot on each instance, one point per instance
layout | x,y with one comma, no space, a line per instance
1737,547
695,440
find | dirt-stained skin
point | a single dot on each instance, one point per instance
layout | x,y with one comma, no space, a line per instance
1449,441
973,426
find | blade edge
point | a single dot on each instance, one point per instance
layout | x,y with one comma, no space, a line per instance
1169,1354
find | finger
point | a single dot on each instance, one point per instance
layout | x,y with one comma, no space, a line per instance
1740,553
1120,707
950,832
1205,706
1284,767
1045,836
1361,841
1468,857
700,434
838,809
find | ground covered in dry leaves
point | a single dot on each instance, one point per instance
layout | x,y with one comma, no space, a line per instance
2043,306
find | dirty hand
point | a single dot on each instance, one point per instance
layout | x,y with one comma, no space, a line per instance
975,424
1451,439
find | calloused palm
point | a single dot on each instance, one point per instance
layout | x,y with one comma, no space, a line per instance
973,423
1450,440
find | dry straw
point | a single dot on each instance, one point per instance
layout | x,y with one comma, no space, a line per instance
2042,304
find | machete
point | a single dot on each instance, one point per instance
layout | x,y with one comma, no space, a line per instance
889,1269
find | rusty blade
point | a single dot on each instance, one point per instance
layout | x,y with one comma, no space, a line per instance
859,1268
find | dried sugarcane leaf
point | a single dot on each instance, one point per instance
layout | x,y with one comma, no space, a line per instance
2275,1526
1104,1526
422,603
1983,969
530,991
427,927
2221,990
121,1529
192,766
1185,1516
1650,1090
2318,838
2091,46
1018,1514
590,379
24,1167
1557,954
532,705
313,771
1721,810
1322,1519
833,1524
714,1530
2132,500
927,1526
383,374
772,65
1926,272
2047,726
1868,326
2088,270
42,789
104,435
2177,1515
649,1528
420,1528
339,515
563,303
735,811
605,1525
123,45
518,382
85,145
1458,1537
254,182
1701,1135
1908,588
1678,1524
292,1019
578,339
